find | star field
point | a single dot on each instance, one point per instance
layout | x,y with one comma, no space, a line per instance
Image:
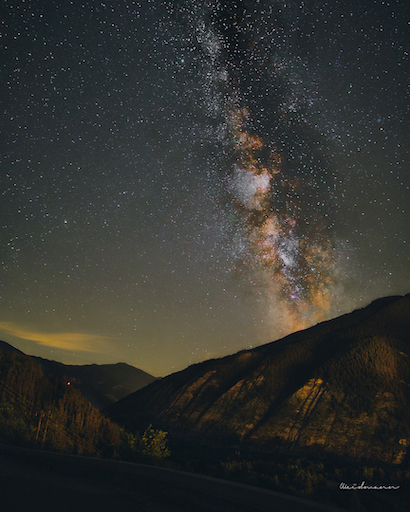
187,179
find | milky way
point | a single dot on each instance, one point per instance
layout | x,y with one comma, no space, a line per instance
182,180
278,182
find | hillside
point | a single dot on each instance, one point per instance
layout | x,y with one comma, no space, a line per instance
40,411
102,385
341,387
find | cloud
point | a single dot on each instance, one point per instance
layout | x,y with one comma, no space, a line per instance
73,341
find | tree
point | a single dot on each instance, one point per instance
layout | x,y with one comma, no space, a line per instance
154,444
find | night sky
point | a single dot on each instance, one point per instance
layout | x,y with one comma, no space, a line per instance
183,180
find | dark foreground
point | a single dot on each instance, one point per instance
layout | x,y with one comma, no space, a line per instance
40,481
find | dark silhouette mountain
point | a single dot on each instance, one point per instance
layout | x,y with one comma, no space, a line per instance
6,347
101,385
341,387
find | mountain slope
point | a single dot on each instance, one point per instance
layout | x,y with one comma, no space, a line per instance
341,386
100,384
6,347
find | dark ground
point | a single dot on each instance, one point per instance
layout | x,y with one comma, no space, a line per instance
39,481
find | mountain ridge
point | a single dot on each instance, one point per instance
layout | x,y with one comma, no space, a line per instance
101,385
340,386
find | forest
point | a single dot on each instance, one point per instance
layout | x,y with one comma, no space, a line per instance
43,412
